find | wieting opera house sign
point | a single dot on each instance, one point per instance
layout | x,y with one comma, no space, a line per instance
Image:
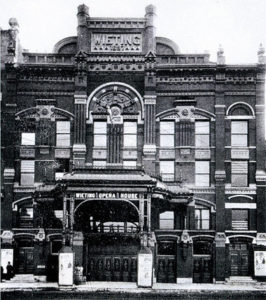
116,42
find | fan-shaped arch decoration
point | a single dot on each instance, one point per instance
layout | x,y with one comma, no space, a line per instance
240,109
115,98
43,112
185,112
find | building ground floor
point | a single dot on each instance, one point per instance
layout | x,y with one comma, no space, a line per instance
122,227
177,257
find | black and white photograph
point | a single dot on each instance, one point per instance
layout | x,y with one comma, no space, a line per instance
133,149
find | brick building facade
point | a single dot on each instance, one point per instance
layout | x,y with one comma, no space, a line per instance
117,141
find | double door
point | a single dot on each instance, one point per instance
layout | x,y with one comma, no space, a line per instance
166,268
202,269
112,268
25,260
239,259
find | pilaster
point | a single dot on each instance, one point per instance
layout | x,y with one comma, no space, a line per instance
6,204
220,174
220,256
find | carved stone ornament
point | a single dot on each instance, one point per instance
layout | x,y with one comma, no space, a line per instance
261,238
7,237
40,236
220,239
114,101
185,238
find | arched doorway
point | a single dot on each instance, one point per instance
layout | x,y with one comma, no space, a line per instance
111,240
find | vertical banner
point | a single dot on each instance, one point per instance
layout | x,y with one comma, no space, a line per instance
260,263
145,269
66,268
6,256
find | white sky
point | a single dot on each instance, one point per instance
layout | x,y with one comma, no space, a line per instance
195,25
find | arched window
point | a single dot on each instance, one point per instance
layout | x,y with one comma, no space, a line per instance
115,111
239,113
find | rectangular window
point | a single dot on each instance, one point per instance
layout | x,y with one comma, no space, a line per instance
167,170
239,219
239,133
63,134
28,139
27,172
202,218
130,134
100,134
239,173
166,220
130,163
202,134
99,163
202,173
167,134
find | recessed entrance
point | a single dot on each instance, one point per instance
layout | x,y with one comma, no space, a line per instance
239,254
111,258
24,263
202,261
166,261
111,239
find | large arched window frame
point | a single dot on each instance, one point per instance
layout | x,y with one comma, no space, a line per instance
239,114
115,111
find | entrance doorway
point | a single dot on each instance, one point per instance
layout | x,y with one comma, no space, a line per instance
202,262
111,258
25,260
166,261
239,258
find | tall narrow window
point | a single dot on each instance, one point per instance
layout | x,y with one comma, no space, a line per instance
130,134
239,219
202,173
63,133
100,134
239,173
167,134
27,172
167,170
202,218
202,134
167,220
239,134
28,139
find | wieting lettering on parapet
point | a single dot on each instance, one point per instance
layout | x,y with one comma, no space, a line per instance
116,42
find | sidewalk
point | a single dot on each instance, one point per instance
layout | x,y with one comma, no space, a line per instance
131,287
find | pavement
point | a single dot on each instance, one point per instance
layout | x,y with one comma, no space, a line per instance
132,287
